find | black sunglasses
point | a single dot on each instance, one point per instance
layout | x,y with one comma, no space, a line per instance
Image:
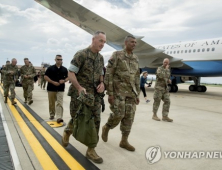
59,59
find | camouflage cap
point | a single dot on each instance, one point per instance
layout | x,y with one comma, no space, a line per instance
26,59
87,99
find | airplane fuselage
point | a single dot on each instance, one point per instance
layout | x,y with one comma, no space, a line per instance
204,56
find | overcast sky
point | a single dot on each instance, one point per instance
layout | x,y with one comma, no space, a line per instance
30,30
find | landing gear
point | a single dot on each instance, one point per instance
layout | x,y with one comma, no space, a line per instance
197,86
193,88
201,88
173,88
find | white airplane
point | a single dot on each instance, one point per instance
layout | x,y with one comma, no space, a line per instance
188,60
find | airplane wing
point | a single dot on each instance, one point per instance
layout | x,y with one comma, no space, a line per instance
91,22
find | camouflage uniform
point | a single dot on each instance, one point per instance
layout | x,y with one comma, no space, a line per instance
161,90
43,81
122,81
2,74
9,80
27,83
90,69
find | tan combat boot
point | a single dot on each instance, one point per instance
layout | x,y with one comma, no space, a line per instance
105,131
5,99
65,138
91,154
124,144
167,119
155,117
14,102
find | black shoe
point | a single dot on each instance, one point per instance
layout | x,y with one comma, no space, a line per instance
51,117
59,120
30,102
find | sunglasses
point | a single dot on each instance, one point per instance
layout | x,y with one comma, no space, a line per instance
59,59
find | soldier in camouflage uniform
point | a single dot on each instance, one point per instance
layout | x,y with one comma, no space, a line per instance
161,91
122,82
86,74
30,64
43,81
10,77
27,74
3,70
2,74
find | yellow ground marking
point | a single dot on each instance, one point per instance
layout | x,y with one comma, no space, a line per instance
67,158
37,148
55,124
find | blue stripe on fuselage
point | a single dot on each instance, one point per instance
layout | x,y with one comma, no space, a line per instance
199,69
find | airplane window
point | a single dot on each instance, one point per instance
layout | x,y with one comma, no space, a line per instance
189,51
198,50
208,49
170,52
181,51
194,50
213,49
185,51
178,52
174,52
203,50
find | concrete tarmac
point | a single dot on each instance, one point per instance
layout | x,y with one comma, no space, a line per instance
195,133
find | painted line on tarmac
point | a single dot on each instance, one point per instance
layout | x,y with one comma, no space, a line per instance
41,154
61,151
50,140
71,149
56,159
11,145
37,148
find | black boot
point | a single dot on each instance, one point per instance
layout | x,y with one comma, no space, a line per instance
6,99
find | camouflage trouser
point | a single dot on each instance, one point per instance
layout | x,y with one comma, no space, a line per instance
10,86
1,77
27,90
96,111
43,82
123,110
165,96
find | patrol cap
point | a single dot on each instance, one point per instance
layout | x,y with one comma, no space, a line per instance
26,59
87,99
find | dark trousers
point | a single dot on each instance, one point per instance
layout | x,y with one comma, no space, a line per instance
144,91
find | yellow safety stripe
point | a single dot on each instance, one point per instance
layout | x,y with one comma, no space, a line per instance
61,151
36,146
